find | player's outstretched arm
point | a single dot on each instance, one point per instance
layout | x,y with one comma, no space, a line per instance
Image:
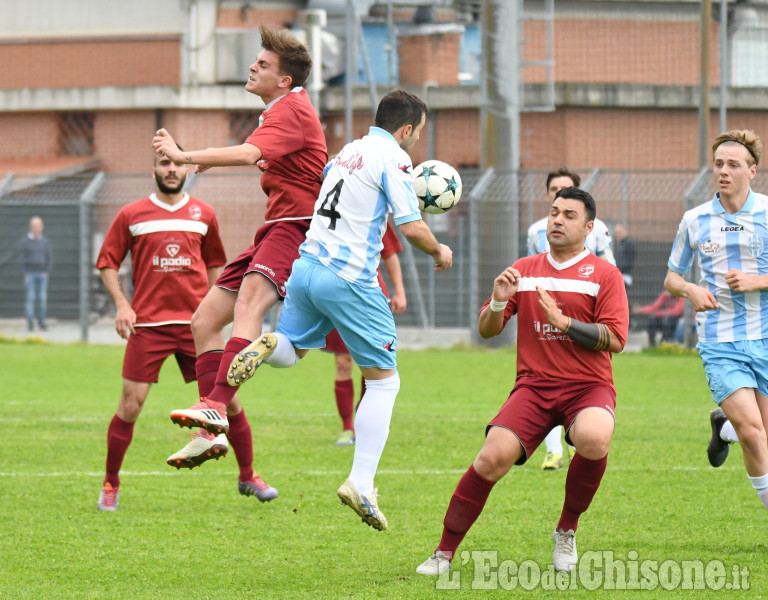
491,319
230,156
595,336
125,317
420,236
700,298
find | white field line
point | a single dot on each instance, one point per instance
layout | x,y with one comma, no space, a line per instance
315,473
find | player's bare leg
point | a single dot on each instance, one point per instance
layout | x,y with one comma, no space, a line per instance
216,311
748,413
256,297
212,316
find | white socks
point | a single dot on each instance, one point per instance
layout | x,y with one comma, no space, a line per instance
284,355
552,441
372,429
761,487
728,433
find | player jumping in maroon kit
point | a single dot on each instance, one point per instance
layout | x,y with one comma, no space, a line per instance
289,147
572,314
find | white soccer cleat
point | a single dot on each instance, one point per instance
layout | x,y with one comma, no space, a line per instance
109,498
204,446
208,414
435,564
250,358
564,558
366,507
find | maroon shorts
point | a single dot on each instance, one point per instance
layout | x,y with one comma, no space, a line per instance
274,248
149,347
535,406
334,343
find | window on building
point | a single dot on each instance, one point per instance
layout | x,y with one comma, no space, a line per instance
241,125
76,133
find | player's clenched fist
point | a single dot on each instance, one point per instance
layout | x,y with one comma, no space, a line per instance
163,143
444,258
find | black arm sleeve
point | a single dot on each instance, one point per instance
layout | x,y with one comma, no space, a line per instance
594,336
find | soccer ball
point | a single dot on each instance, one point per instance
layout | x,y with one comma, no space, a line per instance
437,186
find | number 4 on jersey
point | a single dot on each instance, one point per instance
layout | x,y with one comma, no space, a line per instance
331,198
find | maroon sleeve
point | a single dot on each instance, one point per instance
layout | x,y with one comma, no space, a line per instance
391,242
280,134
116,244
612,308
212,248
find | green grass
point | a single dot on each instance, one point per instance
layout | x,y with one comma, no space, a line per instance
189,534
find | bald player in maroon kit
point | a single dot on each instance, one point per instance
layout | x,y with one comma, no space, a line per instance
572,315
289,147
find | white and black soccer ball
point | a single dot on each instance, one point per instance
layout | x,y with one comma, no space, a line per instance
437,185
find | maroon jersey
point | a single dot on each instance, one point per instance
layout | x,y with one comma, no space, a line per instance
587,289
391,243
294,153
171,247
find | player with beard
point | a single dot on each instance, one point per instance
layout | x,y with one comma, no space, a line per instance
176,255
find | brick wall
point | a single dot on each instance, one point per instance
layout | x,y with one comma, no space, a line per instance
123,140
429,57
78,62
622,138
28,134
618,51
253,18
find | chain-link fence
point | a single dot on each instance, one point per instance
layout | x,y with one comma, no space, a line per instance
486,230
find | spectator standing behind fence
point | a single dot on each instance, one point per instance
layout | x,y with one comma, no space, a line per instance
36,258
598,243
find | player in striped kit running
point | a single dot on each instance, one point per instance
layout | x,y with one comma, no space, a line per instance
729,237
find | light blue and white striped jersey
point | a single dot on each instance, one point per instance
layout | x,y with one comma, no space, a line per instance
598,241
370,178
722,242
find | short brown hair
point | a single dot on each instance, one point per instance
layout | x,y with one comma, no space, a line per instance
295,60
747,138
399,108
563,172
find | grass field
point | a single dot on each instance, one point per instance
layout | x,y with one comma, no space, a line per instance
189,534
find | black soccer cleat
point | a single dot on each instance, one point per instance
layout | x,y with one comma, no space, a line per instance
717,449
